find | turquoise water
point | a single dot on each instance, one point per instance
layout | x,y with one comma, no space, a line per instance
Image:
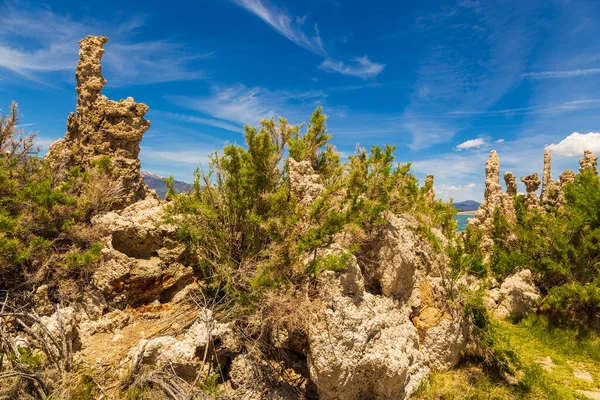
462,221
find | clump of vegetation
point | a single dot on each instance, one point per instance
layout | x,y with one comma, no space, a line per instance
252,233
45,235
561,245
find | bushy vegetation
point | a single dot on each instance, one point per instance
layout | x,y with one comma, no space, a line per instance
561,245
251,231
45,235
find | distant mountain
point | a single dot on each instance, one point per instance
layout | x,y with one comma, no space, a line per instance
467,205
156,182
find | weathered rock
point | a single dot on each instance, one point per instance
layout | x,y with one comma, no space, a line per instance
511,183
517,295
494,199
102,128
566,177
532,184
373,345
305,183
400,252
549,189
185,356
430,194
589,161
43,306
142,260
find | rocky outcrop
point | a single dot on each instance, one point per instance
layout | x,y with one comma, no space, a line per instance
142,261
511,183
566,177
305,183
589,161
185,355
380,340
549,189
516,296
532,184
102,130
494,199
430,193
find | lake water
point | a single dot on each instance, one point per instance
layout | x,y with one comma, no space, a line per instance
462,221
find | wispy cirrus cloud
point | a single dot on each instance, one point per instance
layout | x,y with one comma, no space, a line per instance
561,74
200,120
362,67
35,43
248,105
573,105
295,29
292,28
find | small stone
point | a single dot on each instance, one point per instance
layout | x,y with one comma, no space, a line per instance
547,364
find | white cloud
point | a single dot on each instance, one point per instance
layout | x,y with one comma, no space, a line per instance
561,74
232,103
282,22
189,157
456,192
246,105
455,188
361,67
294,29
427,132
36,43
201,121
471,144
576,143
499,141
566,106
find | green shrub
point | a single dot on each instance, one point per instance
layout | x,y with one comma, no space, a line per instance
251,233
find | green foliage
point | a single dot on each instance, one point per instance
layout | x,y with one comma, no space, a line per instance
43,222
561,245
211,383
29,357
170,184
251,232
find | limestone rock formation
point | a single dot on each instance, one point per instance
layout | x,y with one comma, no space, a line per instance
182,354
511,183
532,184
142,260
517,295
429,185
305,183
548,195
567,176
589,161
494,199
368,344
102,128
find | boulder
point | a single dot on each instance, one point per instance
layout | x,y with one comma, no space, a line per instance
516,296
383,340
142,261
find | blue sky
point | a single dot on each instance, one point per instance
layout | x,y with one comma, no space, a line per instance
444,81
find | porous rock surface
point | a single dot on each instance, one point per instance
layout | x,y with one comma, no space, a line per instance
589,161
549,187
305,183
516,296
532,183
102,128
494,199
142,261
381,344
